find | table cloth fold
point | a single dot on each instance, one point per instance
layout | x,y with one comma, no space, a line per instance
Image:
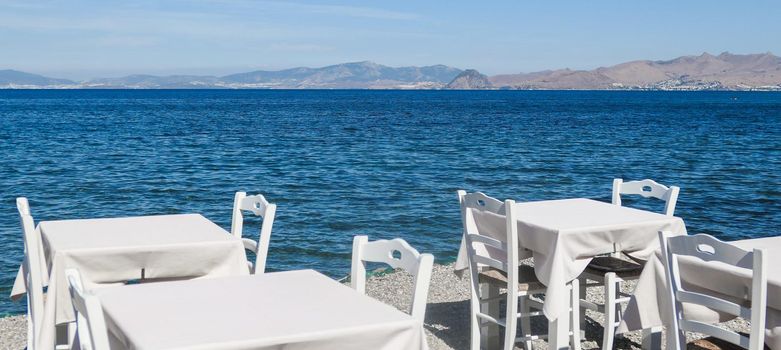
649,307
564,235
293,310
114,250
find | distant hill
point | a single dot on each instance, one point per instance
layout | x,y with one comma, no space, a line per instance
470,79
13,78
704,72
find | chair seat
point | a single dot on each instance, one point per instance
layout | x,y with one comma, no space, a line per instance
527,279
607,264
712,343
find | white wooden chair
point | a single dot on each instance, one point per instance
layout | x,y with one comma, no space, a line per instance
33,272
396,253
611,272
259,206
710,249
494,259
90,323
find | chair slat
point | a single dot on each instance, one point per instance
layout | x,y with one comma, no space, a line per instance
713,303
484,260
489,241
711,330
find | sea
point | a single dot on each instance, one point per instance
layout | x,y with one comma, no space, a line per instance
340,163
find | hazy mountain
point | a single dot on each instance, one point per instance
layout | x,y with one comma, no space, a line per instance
140,81
348,75
358,75
13,78
470,79
704,72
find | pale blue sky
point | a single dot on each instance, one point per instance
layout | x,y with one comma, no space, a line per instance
84,39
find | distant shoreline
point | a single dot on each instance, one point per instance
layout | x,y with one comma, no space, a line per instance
400,90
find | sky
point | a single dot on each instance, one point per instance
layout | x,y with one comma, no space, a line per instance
85,39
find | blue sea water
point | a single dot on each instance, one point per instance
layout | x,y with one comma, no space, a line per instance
381,163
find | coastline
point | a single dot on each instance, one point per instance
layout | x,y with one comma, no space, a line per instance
447,315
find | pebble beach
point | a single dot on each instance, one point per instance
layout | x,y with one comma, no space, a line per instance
447,315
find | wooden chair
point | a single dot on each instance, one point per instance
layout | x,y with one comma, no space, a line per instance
32,271
710,249
90,323
396,253
258,205
611,271
494,259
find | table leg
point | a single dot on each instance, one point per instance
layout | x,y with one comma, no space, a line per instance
490,332
558,332
652,338
583,294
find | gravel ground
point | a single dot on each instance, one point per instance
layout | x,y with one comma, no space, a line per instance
13,333
447,315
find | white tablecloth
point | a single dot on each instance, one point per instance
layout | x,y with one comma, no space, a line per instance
292,310
118,249
649,302
564,235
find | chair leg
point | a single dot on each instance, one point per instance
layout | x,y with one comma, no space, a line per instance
511,321
611,311
652,338
575,317
476,329
582,291
526,326
491,330
71,333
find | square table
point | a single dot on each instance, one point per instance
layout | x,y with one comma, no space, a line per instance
293,310
115,250
649,306
564,235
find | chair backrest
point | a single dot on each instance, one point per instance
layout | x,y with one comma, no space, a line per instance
487,230
710,249
490,235
259,206
32,272
647,188
396,253
480,200
90,323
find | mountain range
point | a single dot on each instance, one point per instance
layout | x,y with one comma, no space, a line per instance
703,72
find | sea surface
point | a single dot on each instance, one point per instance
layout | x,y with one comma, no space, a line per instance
379,163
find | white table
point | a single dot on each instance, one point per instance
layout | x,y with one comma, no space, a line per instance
293,310
649,304
116,250
564,235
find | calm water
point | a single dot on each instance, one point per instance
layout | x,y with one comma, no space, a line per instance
382,163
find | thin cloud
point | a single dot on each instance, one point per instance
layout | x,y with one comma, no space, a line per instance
284,47
335,10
